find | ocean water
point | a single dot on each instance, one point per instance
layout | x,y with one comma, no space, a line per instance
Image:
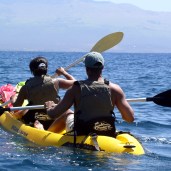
139,75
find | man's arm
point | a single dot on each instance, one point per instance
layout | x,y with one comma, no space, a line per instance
118,99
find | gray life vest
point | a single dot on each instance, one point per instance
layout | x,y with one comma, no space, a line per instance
95,110
41,89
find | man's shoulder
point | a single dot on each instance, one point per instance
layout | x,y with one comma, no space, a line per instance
113,85
115,88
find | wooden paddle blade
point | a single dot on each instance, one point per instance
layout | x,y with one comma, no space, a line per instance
107,42
163,99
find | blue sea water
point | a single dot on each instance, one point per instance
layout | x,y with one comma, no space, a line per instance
139,75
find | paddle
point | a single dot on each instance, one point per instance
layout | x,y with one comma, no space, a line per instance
162,99
2,110
102,45
5,103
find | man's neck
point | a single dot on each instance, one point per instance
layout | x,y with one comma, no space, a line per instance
95,78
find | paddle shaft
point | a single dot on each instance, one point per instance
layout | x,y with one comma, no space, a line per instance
6,103
43,107
162,99
140,99
22,108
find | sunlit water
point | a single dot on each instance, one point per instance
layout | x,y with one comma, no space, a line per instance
139,75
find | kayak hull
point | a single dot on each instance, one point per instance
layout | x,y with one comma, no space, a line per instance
123,143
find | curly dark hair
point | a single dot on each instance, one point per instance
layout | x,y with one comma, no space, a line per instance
38,66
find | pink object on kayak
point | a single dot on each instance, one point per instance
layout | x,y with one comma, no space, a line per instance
6,92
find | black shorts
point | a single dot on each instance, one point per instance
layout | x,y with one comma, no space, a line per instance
29,118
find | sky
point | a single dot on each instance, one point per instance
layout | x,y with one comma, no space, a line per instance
154,5
76,25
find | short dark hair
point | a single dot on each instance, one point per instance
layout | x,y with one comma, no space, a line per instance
38,66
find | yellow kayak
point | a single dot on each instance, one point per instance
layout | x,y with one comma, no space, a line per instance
123,143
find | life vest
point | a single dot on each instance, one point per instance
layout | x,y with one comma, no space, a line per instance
94,113
39,90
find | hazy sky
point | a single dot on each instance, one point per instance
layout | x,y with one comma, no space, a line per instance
76,25
155,5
